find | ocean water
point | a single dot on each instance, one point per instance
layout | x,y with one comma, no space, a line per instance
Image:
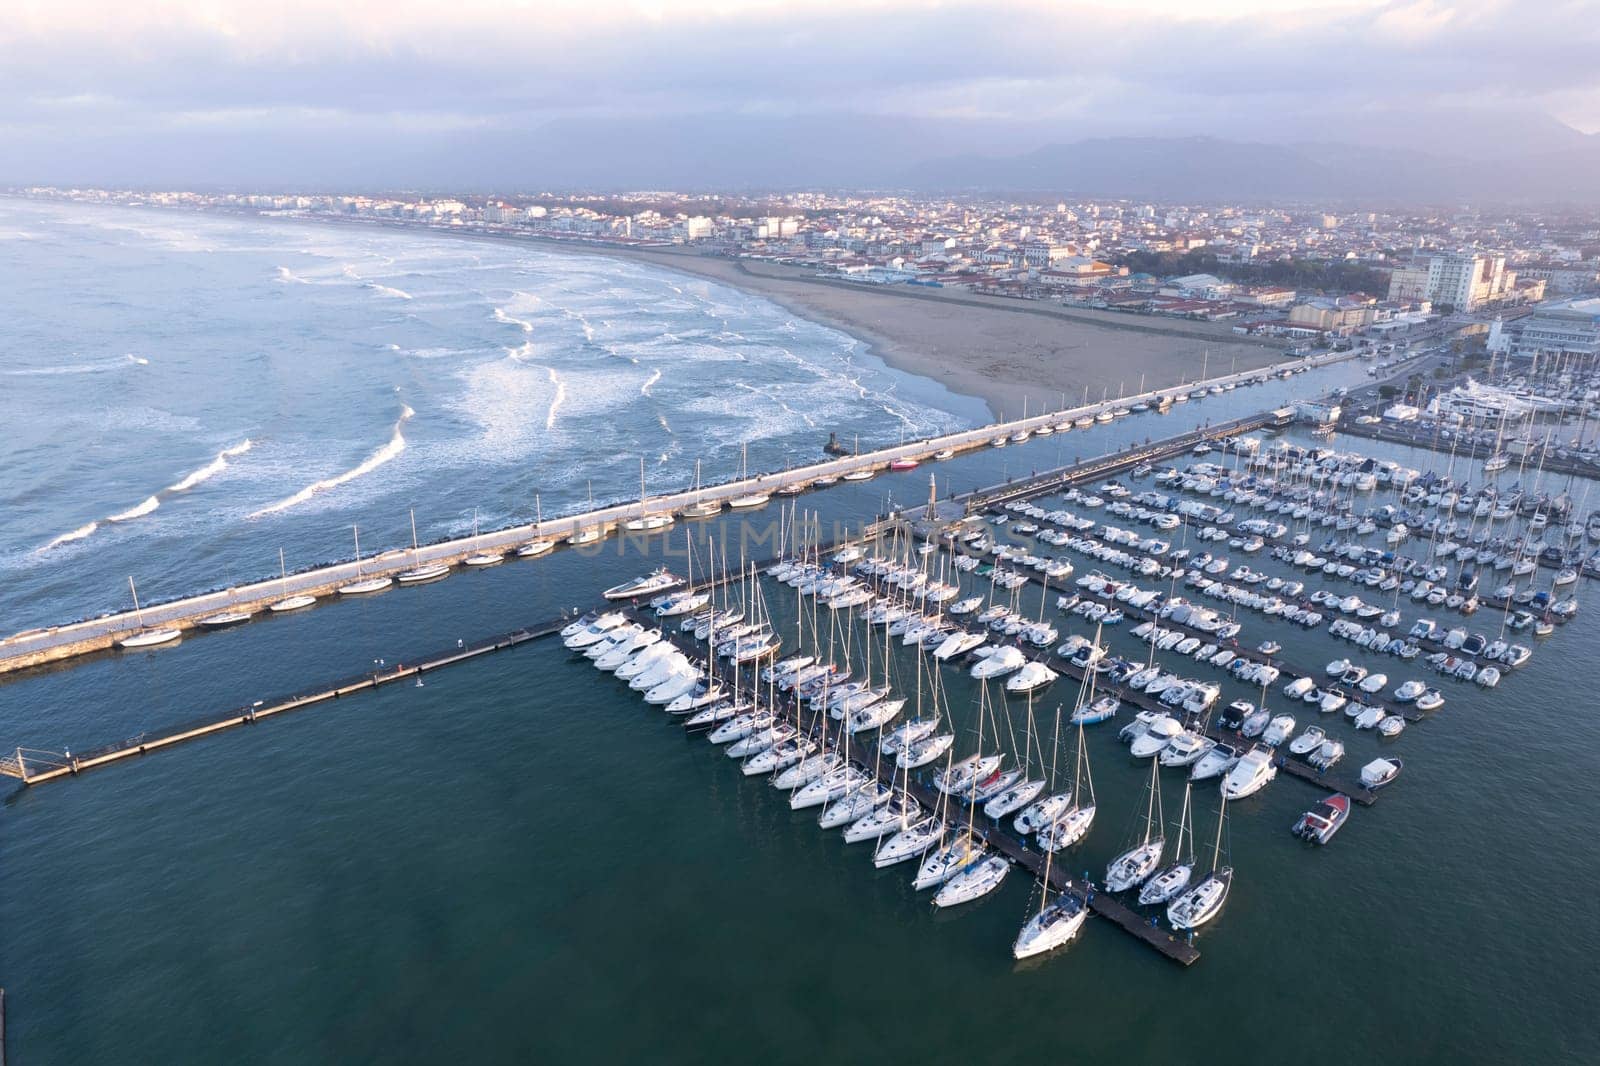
520,862
184,395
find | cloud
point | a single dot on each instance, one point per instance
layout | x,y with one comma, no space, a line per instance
84,67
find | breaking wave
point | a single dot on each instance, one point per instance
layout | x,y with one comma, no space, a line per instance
502,317
395,445
557,400
655,376
144,507
67,538
211,469
387,290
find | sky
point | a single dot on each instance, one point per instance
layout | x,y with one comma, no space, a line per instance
229,86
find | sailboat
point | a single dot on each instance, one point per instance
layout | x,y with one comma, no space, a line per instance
1140,861
645,522
1201,903
1074,825
593,533
146,638
1174,878
481,558
1058,920
537,546
750,499
363,585
420,572
289,603
701,508
860,473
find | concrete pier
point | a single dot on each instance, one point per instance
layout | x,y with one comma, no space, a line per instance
40,646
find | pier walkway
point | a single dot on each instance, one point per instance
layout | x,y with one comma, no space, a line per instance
39,646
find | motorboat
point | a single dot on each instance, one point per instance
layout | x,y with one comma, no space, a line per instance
581,634
1186,748
1253,772
1280,729
1320,823
1003,661
1307,742
1379,772
648,585
1214,763
1157,735
1031,678
1410,691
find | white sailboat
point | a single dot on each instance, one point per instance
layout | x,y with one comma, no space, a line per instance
1174,878
1133,866
147,638
1202,903
486,557
539,545
420,572
288,603
700,508
361,585
646,522
750,499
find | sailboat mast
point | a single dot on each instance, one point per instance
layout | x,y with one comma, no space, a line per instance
137,610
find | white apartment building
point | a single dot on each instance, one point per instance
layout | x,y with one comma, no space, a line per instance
1569,327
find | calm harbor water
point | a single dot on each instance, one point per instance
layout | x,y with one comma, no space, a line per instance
520,862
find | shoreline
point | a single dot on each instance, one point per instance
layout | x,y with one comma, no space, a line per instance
1049,357
1013,356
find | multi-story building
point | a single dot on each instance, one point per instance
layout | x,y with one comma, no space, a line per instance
1569,327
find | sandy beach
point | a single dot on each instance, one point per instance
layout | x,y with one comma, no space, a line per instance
1006,352
1014,355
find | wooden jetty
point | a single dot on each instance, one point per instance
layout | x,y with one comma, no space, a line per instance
34,767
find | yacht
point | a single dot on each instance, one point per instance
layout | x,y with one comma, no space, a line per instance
1253,772
648,585
1214,763
535,547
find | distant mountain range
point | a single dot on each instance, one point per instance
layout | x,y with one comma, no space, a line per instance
1207,168
1411,157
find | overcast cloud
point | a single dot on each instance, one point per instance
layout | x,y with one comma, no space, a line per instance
74,73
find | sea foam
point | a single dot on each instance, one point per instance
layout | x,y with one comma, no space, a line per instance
395,445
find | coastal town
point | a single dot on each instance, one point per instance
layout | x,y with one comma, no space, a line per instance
1309,277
